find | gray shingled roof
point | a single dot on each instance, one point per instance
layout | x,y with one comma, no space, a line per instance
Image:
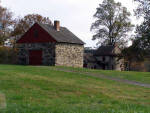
63,36
105,50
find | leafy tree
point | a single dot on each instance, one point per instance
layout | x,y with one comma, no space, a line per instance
23,24
6,23
143,8
143,31
112,23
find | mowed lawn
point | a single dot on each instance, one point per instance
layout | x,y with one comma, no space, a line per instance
30,89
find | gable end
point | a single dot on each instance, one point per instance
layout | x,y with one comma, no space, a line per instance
36,34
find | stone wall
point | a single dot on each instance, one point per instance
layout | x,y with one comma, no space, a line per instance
48,50
53,54
69,55
110,63
119,64
143,66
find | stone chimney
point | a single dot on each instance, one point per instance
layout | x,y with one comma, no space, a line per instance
57,25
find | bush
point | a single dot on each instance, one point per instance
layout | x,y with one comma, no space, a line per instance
8,55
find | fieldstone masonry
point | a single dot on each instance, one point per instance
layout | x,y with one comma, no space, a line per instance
69,55
48,50
60,54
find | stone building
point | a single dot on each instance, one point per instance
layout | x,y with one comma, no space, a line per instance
106,58
89,59
140,65
45,44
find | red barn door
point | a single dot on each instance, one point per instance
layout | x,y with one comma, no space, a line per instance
35,57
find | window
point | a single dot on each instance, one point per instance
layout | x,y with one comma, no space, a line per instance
104,59
35,33
112,67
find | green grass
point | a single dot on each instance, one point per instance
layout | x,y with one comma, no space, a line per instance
42,90
143,77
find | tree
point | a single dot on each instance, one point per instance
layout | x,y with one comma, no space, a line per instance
143,31
23,24
143,8
112,23
6,23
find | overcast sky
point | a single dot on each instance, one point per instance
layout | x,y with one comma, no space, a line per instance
76,15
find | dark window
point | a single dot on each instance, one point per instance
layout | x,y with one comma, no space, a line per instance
112,67
104,59
103,66
35,33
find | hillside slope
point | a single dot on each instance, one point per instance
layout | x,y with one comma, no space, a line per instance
28,89
142,77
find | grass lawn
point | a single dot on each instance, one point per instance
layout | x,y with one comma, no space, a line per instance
29,89
143,77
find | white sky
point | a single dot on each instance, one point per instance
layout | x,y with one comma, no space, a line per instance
76,15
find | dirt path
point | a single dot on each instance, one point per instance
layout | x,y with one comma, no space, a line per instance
106,77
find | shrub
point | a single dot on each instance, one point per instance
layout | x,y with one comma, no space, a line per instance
8,55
